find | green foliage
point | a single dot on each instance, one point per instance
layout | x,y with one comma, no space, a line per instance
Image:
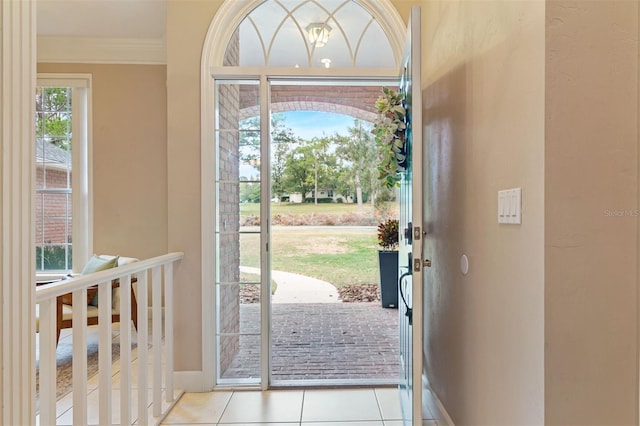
358,152
53,115
389,130
310,166
54,258
320,200
249,192
388,237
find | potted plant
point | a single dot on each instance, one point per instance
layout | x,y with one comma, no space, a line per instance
388,262
389,129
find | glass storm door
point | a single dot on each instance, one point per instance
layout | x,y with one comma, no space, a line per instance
411,236
241,262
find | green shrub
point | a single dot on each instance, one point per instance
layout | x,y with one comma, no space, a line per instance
54,258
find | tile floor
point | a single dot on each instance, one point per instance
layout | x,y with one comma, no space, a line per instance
313,407
328,407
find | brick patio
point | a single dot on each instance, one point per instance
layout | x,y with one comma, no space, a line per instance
321,341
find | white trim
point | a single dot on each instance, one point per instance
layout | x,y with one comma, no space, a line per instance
65,49
232,12
17,210
432,403
220,31
435,407
190,381
82,159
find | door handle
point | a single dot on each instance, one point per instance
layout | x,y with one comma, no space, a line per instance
408,311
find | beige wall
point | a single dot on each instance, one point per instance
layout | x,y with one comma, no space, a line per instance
187,25
483,79
591,222
129,157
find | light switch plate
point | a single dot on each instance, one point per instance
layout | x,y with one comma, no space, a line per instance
510,206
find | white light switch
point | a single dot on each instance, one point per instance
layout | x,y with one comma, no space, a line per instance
510,206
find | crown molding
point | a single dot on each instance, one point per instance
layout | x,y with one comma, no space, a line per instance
63,49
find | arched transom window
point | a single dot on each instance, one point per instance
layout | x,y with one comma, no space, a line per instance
310,33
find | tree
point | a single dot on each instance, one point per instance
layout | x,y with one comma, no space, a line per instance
309,167
53,115
282,138
359,154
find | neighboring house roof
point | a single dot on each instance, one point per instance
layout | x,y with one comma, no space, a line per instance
55,156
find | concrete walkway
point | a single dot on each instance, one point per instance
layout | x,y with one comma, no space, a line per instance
295,288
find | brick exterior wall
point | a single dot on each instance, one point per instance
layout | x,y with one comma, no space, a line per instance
53,228
356,101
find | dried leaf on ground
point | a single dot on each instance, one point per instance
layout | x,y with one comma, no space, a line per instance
360,293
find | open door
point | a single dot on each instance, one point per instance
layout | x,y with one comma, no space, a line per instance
411,235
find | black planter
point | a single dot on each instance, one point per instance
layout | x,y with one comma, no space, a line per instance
388,264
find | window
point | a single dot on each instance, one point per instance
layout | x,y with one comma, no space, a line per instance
62,153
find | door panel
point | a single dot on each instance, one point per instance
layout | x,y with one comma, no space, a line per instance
238,310
411,257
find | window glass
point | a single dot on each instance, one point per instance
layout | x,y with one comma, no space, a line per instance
53,178
310,33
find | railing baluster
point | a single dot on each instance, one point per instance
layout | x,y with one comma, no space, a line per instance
125,350
143,349
155,275
79,366
48,362
104,353
168,331
156,308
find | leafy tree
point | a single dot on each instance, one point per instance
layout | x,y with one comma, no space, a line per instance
309,167
359,153
53,115
250,191
282,138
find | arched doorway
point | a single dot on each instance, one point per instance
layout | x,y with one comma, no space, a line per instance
273,56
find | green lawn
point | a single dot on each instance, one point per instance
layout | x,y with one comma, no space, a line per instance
253,209
339,257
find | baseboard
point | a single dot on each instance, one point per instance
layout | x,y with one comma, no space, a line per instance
432,404
190,381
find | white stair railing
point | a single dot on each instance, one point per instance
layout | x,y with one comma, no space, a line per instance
46,296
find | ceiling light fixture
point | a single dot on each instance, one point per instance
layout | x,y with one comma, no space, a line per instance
318,33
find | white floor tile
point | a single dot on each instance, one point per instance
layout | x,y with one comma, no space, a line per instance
206,407
343,423
340,405
389,402
260,424
264,407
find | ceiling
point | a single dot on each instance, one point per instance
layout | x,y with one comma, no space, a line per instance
145,19
273,33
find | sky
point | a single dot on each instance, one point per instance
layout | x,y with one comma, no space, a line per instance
309,124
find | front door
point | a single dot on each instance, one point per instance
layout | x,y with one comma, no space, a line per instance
411,234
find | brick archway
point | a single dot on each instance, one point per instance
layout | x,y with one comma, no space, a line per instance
355,101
